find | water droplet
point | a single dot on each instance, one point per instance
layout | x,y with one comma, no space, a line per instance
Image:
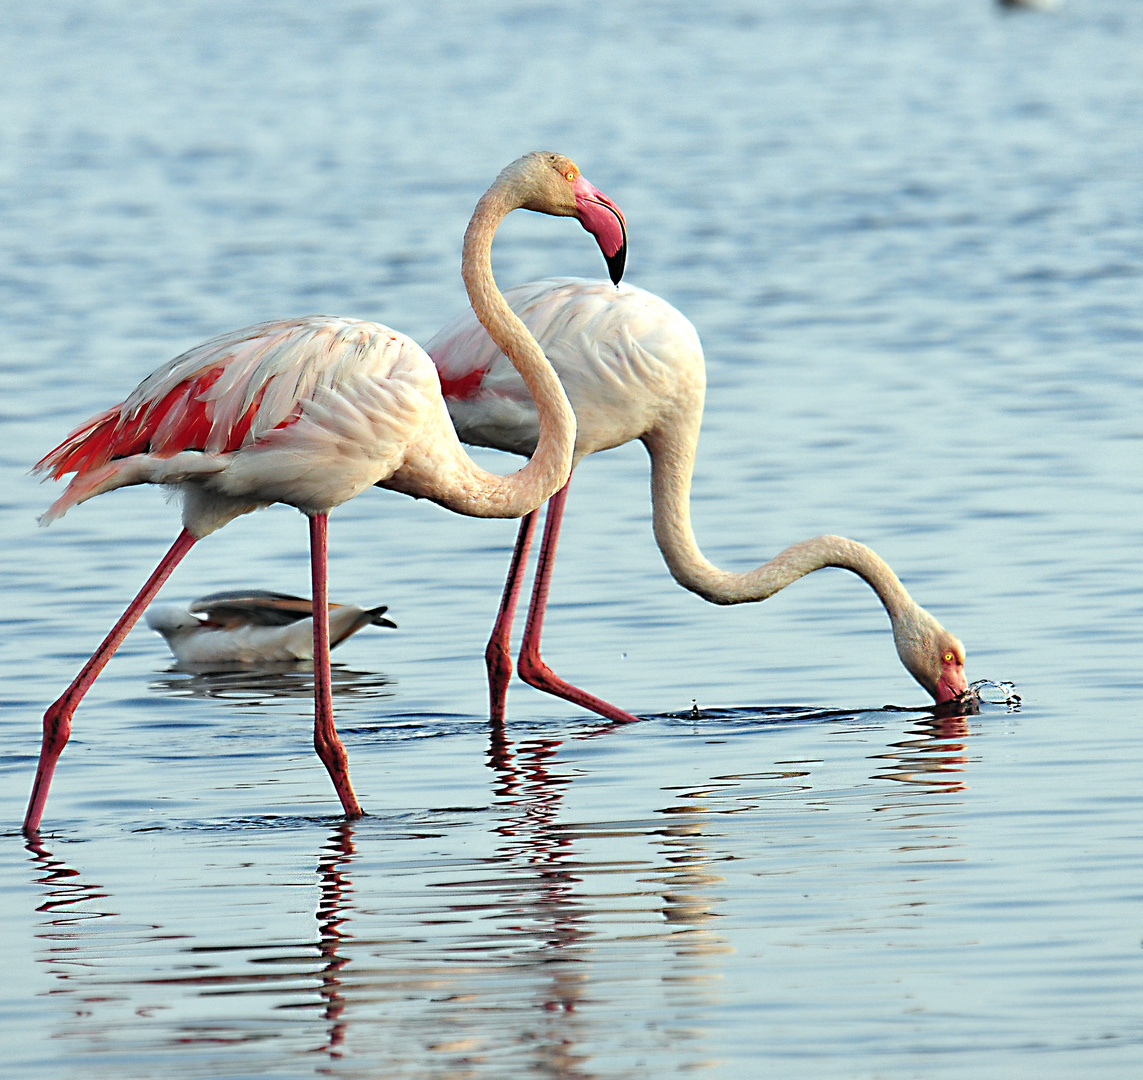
995,693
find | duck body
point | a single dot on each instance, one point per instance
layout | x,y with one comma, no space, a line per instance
253,626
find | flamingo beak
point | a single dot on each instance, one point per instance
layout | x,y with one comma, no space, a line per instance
952,683
604,220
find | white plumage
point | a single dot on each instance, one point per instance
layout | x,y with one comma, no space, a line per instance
308,412
627,360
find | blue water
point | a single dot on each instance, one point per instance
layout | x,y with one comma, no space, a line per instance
911,238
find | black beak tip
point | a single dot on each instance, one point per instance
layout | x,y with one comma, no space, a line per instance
617,262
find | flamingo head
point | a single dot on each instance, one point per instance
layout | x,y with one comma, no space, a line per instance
933,656
553,184
952,682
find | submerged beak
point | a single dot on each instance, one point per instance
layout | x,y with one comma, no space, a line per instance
604,220
952,684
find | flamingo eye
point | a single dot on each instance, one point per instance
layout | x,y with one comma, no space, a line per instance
948,658
571,177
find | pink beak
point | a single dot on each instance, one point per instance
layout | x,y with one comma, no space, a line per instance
952,684
604,220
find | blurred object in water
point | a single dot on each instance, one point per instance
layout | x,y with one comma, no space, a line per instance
253,626
1029,5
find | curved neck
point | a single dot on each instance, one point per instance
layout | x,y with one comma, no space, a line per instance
672,464
483,493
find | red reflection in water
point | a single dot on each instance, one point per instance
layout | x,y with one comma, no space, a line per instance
933,759
333,903
64,889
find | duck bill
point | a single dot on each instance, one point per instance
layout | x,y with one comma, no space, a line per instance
604,220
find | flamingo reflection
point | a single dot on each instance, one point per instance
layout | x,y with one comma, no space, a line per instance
678,882
333,905
532,790
75,958
932,757
66,905
64,891
544,877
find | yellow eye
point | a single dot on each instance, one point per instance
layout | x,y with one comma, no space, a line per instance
571,177
948,658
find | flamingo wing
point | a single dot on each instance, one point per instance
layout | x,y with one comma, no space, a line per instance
307,411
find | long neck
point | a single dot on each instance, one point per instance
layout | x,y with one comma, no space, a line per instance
672,463
479,492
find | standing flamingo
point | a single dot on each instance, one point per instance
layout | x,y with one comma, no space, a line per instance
633,368
311,412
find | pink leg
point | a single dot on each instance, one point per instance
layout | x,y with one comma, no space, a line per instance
328,745
531,667
498,653
57,720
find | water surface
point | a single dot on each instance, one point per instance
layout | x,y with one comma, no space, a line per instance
911,238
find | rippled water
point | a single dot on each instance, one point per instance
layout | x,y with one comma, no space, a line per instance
911,237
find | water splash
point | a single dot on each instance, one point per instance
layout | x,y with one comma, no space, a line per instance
990,692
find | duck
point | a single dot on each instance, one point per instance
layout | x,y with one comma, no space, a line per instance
253,626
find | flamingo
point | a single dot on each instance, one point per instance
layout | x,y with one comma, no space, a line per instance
253,626
633,368
310,412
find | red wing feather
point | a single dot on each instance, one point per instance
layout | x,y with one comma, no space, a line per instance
215,396
464,387
181,420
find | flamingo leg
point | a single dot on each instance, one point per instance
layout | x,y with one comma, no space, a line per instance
498,653
327,743
530,666
57,719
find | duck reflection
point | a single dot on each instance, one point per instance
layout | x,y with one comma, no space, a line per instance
268,682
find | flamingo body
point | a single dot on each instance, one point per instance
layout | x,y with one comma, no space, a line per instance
307,412
253,627
628,361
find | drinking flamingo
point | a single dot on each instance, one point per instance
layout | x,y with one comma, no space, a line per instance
253,626
633,368
310,412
